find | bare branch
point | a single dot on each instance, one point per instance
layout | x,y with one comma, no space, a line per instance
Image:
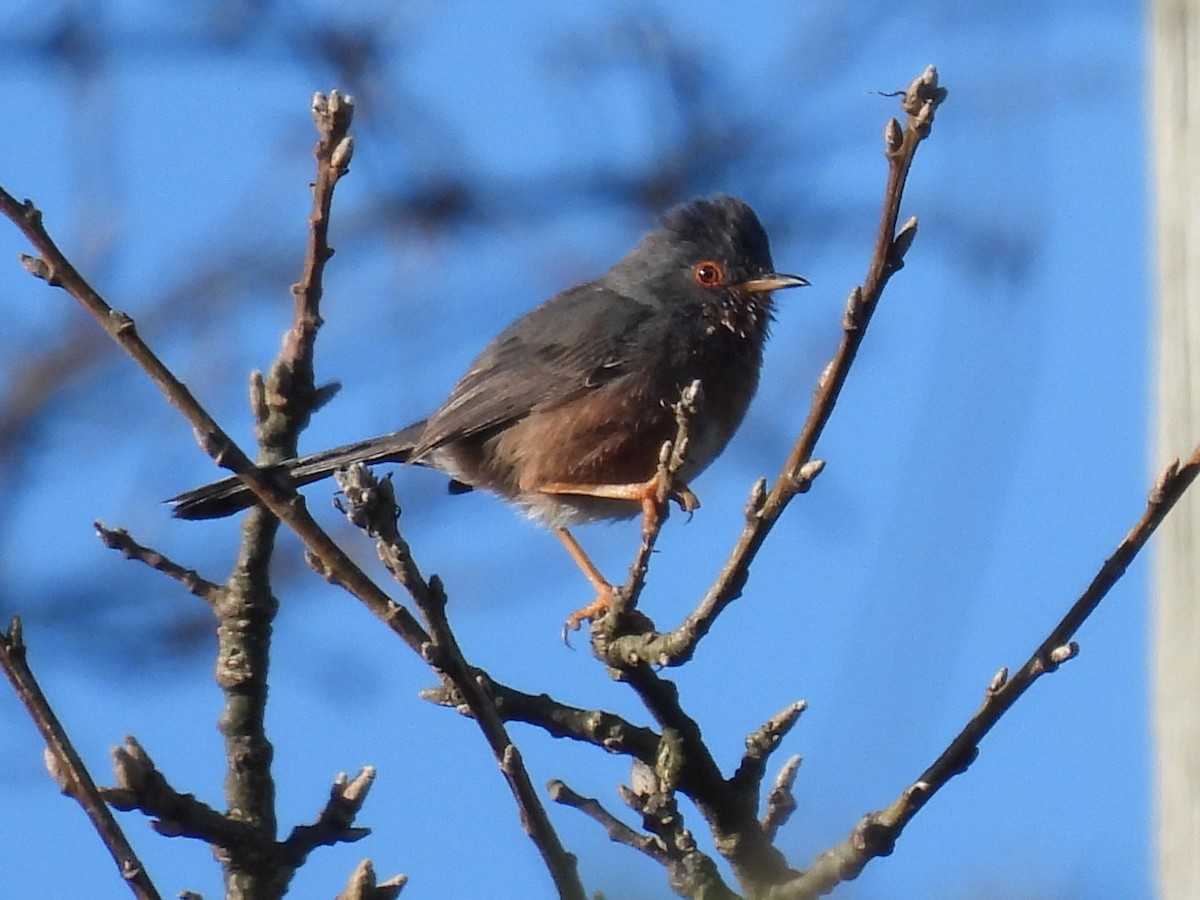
761,743
920,102
876,833
290,393
282,404
140,786
280,499
617,831
781,802
120,540
66,766
363,886
685,762
689,872
671,460
335,824
371,505
591,726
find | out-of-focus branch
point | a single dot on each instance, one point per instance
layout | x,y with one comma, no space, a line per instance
66,766
876,833
920,102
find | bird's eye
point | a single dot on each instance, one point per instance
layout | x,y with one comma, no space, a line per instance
708,273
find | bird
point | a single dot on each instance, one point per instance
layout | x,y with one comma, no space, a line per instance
565,413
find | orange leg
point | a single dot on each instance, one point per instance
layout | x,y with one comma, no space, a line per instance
645,492
604,590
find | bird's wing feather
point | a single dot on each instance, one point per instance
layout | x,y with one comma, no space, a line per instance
569,345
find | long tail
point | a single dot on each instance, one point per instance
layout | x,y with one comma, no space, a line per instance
229,495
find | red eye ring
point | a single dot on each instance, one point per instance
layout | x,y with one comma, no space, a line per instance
708,273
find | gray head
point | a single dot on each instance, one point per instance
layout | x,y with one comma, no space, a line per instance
713,253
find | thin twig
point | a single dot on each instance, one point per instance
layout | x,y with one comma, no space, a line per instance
617,831
690,872
602,729
289,392
762,742
622,617
364,886
66,766
282,500
371,505
119,539
920,102
671,459
728,806
141,786
335,823
781,801
876,833
282,404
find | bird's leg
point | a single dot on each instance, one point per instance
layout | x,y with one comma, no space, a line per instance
650,494
604,590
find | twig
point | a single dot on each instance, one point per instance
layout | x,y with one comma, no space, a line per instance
66,766
920,103
760,744
728,806
335,824
617,831
282,403
289,394
141,786
690,872
56,270
876,833
371,505
781,802
605,730
254,793
119,539
671,460
363,886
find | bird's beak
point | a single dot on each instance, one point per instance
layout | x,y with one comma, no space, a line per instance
773,282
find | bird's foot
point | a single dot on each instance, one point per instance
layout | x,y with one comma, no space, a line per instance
604,599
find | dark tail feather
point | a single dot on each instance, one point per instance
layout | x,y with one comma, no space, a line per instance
229,495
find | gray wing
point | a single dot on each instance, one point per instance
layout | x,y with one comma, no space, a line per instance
569,345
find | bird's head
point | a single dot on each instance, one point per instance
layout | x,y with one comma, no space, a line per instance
710,253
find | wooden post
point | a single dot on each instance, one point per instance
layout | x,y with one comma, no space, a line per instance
1175,132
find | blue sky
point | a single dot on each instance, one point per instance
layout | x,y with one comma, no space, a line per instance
989,450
